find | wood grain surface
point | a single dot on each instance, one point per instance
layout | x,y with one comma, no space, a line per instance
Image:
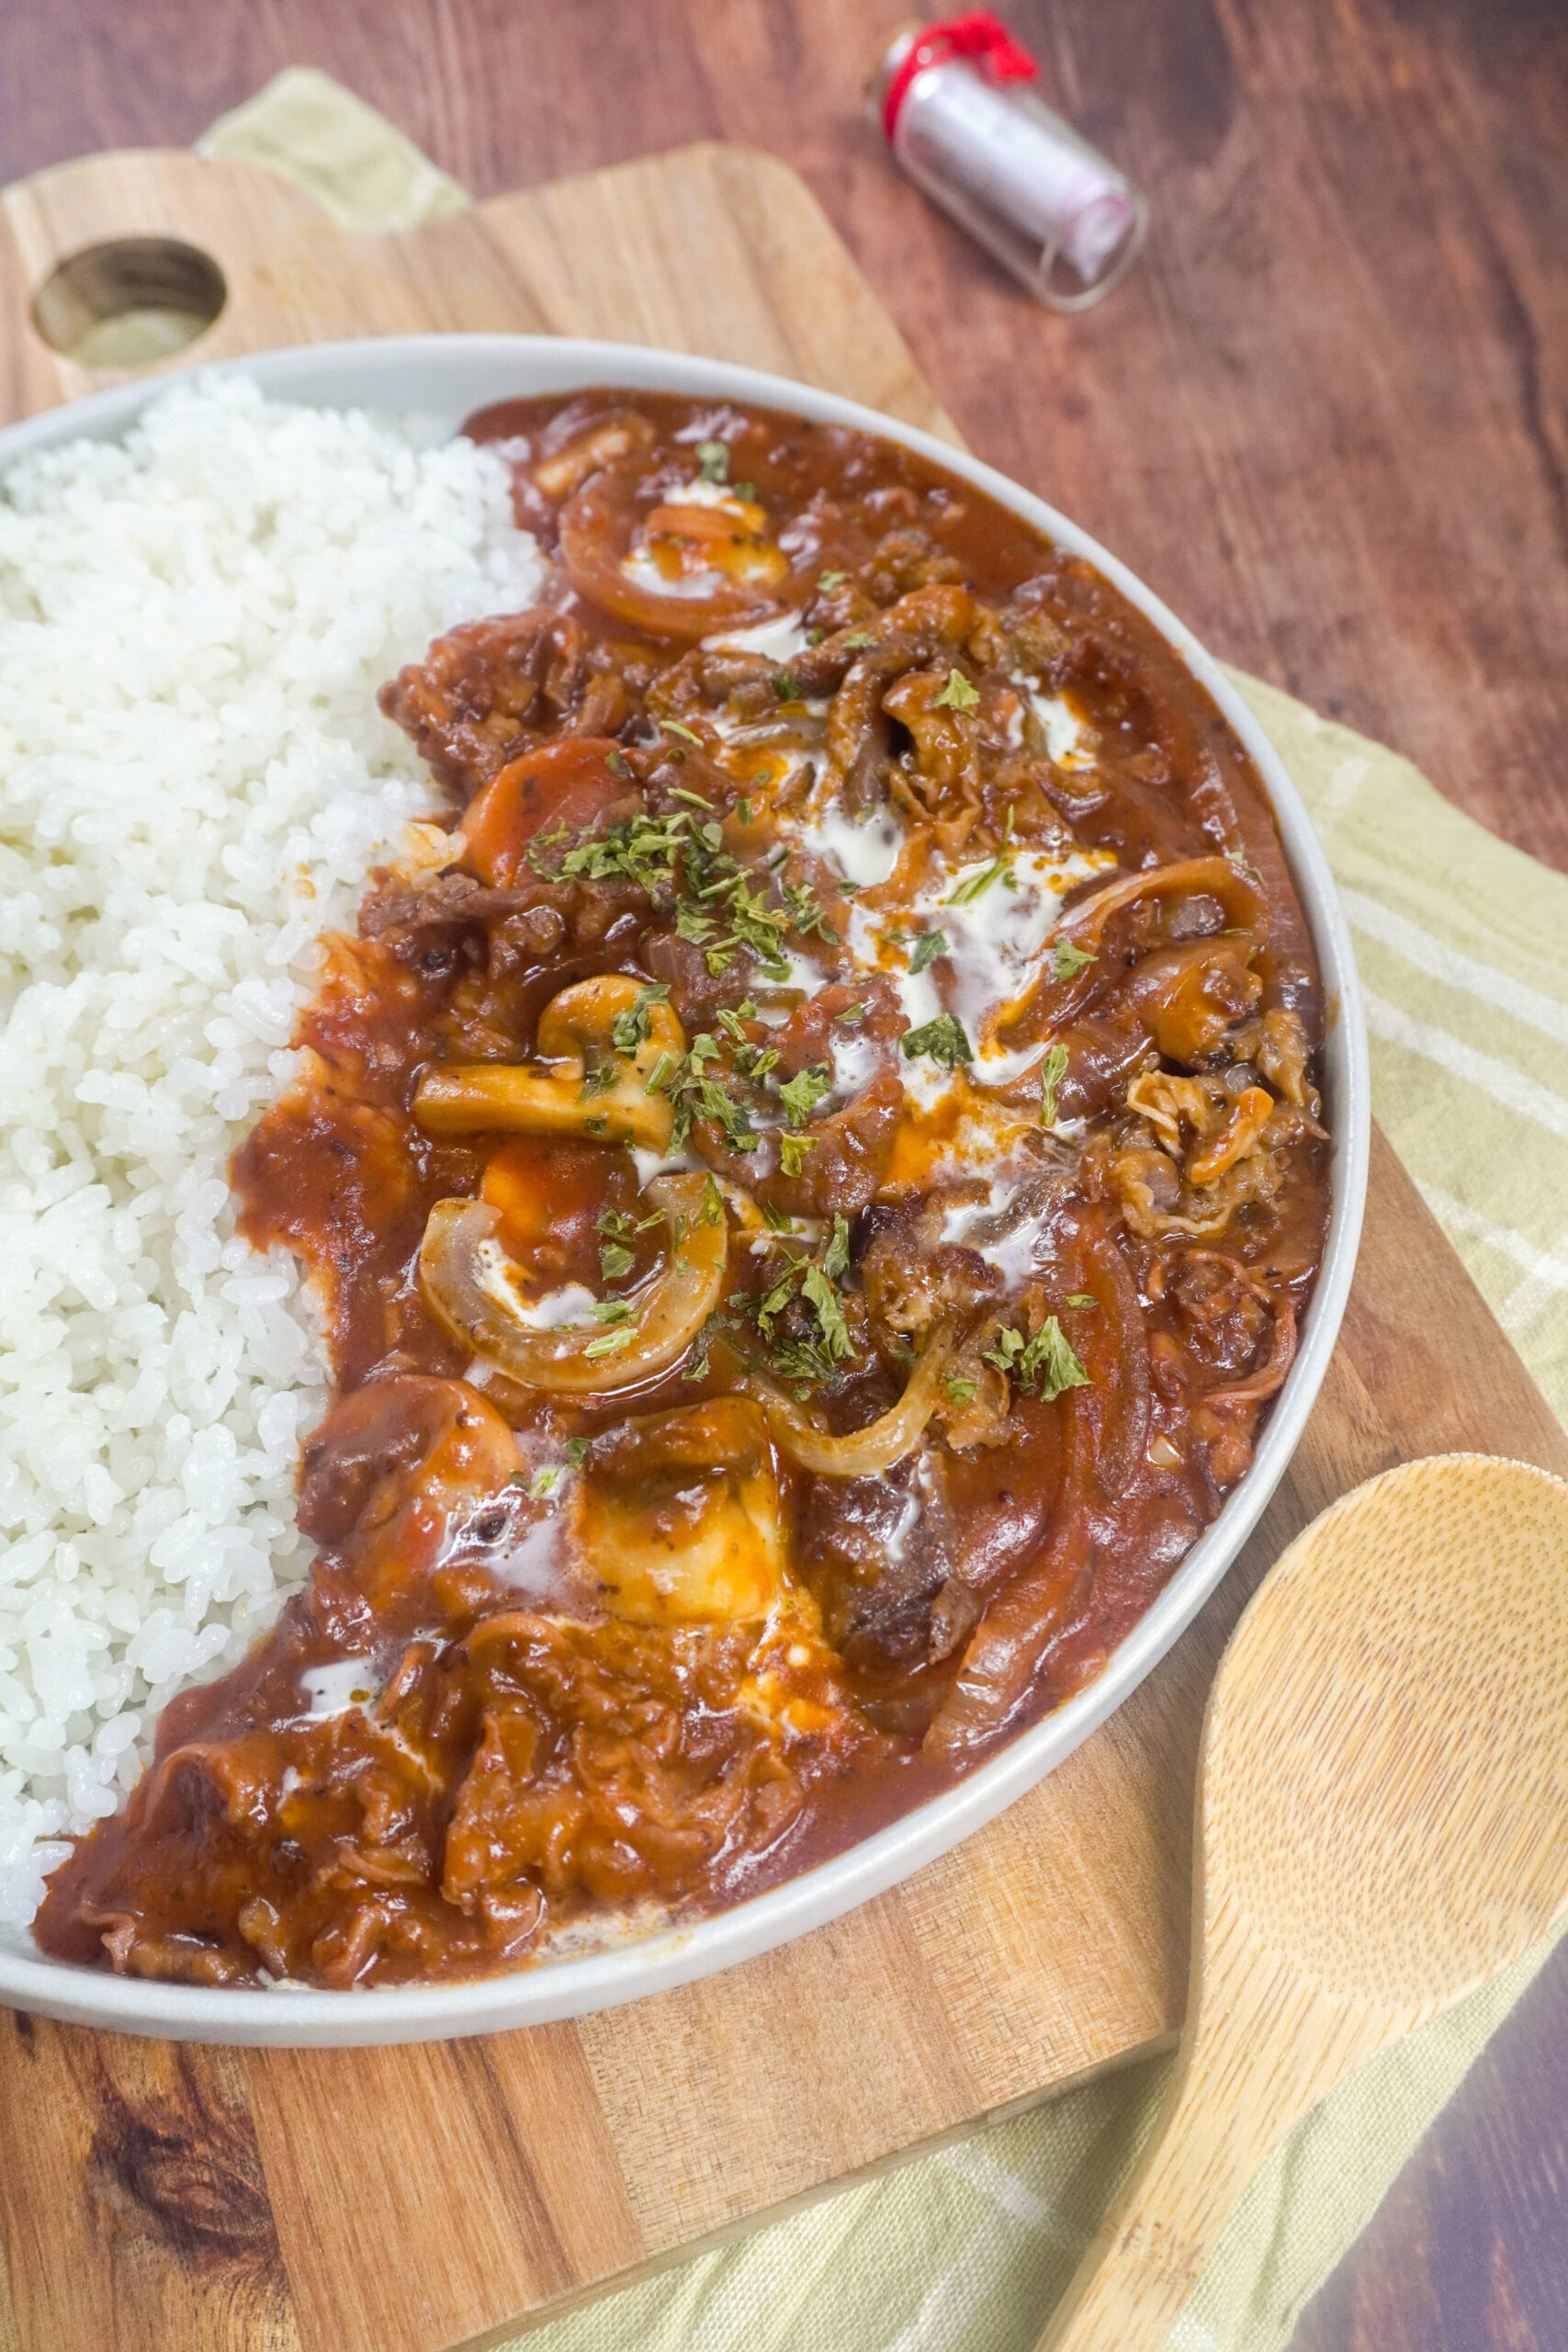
1325,417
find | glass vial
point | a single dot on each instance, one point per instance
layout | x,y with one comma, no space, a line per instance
955,104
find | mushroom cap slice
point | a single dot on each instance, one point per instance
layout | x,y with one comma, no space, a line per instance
556,1095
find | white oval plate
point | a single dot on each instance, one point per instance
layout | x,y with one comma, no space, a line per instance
448,378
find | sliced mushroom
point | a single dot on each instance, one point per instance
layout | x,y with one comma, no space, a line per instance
582,1083
470,1288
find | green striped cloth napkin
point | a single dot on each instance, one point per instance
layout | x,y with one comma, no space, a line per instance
1464,949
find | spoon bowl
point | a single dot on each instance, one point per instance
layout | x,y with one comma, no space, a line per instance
1382,1826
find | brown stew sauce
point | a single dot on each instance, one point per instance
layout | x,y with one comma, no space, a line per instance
573,1656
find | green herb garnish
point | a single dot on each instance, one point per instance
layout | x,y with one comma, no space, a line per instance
957,695
999,869
928,947
1046,1364
801,1095
629,1029
820,1295
804,906
1068,960
713,459
942,1040
692,923
609,1344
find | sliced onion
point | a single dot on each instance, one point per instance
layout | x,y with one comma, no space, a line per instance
1264,1383
599,526
1008,1646
863,1453
461,1285
1209,877
1104,1439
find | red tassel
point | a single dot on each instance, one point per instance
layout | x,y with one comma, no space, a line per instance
979,39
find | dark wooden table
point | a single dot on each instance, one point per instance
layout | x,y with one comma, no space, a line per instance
1327,418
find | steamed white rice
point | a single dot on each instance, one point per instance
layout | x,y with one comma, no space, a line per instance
194,779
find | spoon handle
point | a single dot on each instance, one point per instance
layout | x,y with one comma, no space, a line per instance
1227,2106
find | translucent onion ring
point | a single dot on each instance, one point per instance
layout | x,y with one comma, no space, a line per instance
1006,1647
1262,1383
1211,877
1104,1435
863,1453
597,525
673,1308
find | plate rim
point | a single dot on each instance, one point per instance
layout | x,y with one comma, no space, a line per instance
638,1967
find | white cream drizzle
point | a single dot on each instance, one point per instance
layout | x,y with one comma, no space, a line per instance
650,1164
534,1565
863,854
1016,1254
994,944
775,640
703,493
960,1222
803,972
330,1690
908,1520
553,1310
854,1059
1067,737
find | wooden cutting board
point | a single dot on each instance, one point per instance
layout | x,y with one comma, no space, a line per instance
164,2199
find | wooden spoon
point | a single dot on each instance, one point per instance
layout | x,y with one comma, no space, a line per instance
1382,1825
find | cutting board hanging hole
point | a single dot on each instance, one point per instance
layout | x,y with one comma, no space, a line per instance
128,302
